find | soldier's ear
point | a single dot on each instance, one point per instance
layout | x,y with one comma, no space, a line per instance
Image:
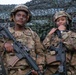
27,18
13,18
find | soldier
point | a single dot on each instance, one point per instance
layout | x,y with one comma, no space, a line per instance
20,15
63,22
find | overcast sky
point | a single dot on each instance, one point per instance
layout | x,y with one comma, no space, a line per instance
13,1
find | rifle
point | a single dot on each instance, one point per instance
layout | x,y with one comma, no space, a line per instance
2,68
21,51
60,55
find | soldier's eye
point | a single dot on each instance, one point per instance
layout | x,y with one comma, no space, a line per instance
18,15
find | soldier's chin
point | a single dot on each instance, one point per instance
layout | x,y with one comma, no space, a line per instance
60,25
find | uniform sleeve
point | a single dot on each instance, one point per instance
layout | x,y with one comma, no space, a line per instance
47,41
70,42
1,45
2,41
39,50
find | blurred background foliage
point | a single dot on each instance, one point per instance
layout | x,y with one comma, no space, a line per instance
42,14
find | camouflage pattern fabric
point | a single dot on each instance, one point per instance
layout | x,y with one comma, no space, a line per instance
31,40
69,39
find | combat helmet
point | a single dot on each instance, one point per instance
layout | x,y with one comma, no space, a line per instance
19,8
60,14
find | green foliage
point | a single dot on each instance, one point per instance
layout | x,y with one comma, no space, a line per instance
42,30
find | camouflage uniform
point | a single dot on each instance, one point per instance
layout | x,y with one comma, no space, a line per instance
29,39
69,39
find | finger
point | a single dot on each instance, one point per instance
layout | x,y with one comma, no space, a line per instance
34,72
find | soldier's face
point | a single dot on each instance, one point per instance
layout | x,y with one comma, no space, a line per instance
20,18
61,21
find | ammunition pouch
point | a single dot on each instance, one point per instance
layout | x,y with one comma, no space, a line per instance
13,61
22,67
51,59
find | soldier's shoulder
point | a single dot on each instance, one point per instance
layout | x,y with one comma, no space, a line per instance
72,34
33,33
28,29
